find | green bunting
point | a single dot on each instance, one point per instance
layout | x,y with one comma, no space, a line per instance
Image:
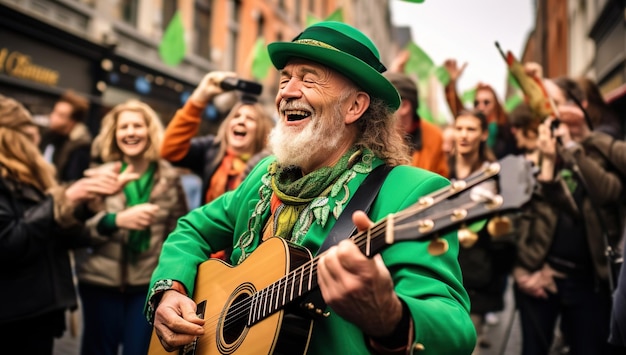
419,62
513,101
337,15
468,96
442,75
261,62
172,47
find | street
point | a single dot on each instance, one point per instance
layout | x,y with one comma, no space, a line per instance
505,336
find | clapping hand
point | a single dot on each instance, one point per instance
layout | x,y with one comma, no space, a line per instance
138,217
101,181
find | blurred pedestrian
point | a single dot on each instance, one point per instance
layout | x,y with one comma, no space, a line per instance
424,138
114,274
39,221
67,141
500,139
603,117
485,261
561,268
219,160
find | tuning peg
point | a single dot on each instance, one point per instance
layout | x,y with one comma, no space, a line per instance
437,247
499,226
466,237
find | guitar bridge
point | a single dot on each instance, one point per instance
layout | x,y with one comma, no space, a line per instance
190,349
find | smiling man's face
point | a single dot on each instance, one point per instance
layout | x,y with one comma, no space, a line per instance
311,102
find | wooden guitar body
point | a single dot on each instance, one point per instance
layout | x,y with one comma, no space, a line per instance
261,306
227,291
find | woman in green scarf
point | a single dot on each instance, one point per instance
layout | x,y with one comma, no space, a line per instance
128,233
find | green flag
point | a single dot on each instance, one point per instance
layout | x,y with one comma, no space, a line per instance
419,62
172,47
468,96
442,75
424,111
337,15
512,81
261,62
513,101
311,20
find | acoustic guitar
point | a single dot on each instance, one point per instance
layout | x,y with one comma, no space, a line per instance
272,312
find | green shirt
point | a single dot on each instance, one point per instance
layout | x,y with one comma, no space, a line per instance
431,286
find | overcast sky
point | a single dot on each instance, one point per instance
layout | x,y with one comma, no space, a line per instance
467,30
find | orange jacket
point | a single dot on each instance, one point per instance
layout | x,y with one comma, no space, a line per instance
431,156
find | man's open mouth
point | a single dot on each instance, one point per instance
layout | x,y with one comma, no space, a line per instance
296,115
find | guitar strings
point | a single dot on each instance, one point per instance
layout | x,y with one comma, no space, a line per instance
243,309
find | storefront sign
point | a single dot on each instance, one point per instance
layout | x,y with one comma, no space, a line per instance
19,65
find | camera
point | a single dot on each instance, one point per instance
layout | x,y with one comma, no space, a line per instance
246,86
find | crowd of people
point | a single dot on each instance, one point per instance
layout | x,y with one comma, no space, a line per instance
106,223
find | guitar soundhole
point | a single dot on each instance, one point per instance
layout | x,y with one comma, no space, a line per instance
236,318
233,324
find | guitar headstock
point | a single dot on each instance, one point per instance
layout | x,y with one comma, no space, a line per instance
500,187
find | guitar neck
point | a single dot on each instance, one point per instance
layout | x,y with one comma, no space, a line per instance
303,279
440,212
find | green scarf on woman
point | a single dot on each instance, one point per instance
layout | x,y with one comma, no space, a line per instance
138,192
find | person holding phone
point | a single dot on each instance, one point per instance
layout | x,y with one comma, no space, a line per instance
219,160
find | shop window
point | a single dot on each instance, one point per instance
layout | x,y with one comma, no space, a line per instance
202,27
128,10
169,9
233,30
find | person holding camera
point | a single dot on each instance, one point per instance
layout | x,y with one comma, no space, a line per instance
561,268
220,160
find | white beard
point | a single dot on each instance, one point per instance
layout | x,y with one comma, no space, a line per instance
316,140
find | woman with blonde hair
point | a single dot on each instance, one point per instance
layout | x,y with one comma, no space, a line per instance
222,160
39,222
113,276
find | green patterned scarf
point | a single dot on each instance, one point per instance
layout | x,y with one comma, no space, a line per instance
138,192
296,191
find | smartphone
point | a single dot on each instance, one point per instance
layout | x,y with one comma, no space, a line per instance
249,87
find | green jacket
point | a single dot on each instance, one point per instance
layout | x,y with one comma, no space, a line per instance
431,286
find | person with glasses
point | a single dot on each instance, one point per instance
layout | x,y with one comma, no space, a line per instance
500,140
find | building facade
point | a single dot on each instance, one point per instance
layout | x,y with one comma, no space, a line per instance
583,38
108,50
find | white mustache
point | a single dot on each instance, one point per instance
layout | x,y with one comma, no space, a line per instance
294,105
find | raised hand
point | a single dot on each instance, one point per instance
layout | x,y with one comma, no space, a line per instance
209,87
110,176
453,69
138,217
533,69
102,181
399,62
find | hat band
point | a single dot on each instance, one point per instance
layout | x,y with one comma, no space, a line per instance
314,42
340,40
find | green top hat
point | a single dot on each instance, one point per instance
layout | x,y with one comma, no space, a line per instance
344,49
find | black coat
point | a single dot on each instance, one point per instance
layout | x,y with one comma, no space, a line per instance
35,269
